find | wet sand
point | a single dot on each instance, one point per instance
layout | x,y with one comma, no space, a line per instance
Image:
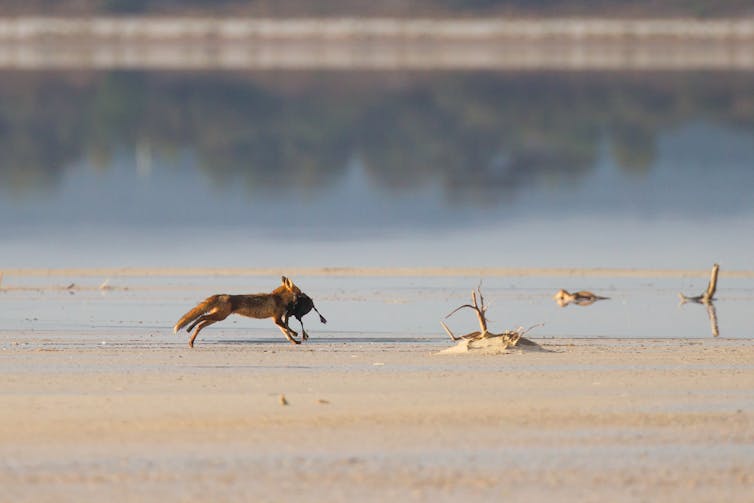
147,419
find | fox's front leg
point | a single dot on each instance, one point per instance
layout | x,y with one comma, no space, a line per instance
286,331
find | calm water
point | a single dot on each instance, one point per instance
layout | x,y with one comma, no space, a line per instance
290,169
143,310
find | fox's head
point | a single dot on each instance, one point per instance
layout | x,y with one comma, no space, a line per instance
288,284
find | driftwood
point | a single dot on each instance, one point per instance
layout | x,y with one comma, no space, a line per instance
709,295
483,339
582,298
707,298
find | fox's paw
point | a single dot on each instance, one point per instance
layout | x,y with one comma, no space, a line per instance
304,335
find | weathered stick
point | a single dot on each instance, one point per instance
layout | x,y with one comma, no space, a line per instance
707,298
708,295
712,286
479,308
470,335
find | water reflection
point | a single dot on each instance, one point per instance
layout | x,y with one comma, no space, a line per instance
481,135
539,163
712,314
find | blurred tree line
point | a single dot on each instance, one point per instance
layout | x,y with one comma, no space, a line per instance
476,133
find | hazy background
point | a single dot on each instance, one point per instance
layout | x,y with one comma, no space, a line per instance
448,8
354,167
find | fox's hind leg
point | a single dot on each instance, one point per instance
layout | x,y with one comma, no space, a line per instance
205,321
198,329
286,331
195,323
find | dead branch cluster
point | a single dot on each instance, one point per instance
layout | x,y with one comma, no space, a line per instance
509,338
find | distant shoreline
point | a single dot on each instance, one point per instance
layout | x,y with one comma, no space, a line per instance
169,28
375,43
369,272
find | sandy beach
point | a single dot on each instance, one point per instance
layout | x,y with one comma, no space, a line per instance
147,419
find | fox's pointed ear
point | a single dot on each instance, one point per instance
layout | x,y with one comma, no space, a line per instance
290,285
287,283
284,280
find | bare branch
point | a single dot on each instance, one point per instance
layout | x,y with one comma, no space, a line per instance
526,331
447,331
712,286
708,295
454,311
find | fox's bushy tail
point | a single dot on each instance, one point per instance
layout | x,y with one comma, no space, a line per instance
199,310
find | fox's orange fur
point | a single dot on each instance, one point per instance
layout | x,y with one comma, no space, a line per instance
260,305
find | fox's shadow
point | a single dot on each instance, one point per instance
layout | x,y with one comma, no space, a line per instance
326,340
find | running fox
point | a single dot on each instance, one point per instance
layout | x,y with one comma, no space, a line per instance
276,305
